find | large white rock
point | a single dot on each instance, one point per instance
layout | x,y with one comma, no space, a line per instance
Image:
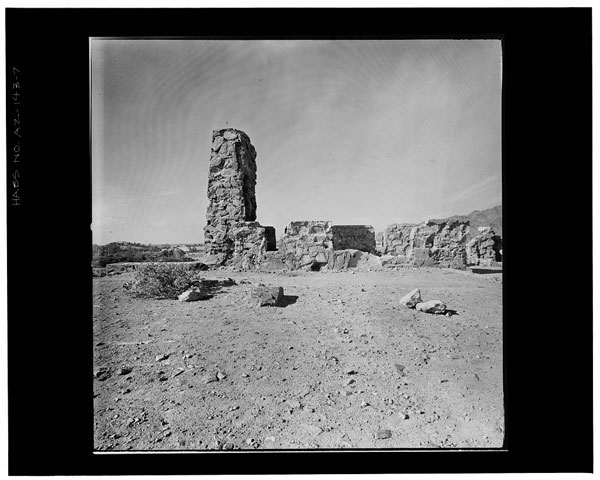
192,295
411,299
432,306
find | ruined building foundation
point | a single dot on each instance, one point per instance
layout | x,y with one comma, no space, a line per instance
232,231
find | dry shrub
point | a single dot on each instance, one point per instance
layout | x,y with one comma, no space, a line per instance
163,280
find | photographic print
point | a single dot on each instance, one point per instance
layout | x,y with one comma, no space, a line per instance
297,244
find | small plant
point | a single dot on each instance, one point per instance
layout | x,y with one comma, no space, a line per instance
163,280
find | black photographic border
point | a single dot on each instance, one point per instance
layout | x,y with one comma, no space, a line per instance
547,133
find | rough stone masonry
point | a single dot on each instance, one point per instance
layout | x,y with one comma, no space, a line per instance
232,231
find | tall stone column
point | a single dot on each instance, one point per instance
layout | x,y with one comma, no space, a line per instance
231,228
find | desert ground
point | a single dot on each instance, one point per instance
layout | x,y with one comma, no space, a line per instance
340,365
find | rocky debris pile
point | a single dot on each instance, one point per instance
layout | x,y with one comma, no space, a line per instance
204,287
272,262
266,296
354,237
356,259
99,272
413,300
231,229
485,248
445,243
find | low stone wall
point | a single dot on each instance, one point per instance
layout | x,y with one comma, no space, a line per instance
435,242
484,249
357,237
307,244
450,242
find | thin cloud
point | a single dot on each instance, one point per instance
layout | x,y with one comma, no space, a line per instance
474,189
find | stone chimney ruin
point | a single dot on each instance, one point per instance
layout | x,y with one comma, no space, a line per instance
232,231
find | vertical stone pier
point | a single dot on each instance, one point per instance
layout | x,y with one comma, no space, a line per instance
232,229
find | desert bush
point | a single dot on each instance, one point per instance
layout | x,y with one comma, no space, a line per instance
163,280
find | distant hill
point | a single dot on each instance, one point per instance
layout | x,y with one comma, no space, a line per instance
491,217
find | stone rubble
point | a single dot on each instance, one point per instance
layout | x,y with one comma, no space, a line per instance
411,299
432,306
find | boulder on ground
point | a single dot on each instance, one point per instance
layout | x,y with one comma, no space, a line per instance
411,299
432,306
267,296
192,295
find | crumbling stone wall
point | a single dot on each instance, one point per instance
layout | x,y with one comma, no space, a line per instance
357,237
449,242
435,242
231,229
397,239
307,244
484,249
319,245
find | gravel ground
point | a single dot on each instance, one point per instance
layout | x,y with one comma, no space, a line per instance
340,365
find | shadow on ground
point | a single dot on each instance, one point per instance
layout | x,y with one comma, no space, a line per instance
485,271
288,300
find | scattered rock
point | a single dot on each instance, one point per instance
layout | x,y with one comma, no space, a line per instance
400,369
432,306
350,371
228,446
101,373
411,299
123,371
210,377
267,296
350,381
193,295
383,433
221,376
161,357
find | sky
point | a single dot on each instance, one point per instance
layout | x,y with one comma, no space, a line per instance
368,132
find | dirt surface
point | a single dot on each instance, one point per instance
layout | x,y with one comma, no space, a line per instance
340,365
